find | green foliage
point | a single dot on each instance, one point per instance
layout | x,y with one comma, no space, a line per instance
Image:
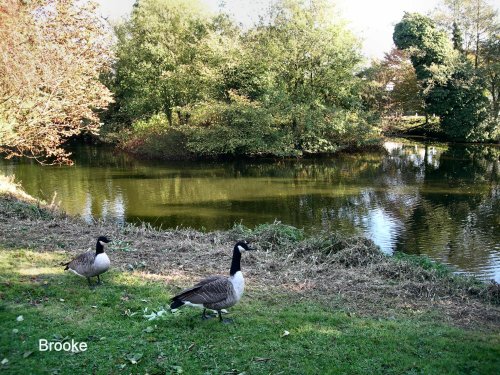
425,262
451,88
278,233
283,88
166,58
429,46
490,70
457,37
154,138
238,128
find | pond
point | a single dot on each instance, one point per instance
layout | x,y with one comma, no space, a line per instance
441,200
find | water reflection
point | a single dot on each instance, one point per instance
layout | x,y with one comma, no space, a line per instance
435,199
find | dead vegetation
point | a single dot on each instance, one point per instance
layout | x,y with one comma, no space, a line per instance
349,274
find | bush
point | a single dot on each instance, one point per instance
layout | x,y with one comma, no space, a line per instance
154,138
236,128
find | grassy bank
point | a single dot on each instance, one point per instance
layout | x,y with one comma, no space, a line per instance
312,306
413,126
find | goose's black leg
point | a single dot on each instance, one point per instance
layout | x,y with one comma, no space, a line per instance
98,280
90,283
204,314
225,321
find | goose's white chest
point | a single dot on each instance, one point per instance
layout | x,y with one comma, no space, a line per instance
101,263
238,284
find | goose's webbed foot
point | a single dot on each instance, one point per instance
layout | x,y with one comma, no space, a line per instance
224,321
204,316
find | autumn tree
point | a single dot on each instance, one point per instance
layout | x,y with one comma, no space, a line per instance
391,85
51,55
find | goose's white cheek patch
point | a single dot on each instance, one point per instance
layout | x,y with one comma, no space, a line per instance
241,249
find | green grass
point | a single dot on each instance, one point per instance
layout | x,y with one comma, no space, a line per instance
110,318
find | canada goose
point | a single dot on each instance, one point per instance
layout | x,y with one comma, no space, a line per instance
91,264
216,292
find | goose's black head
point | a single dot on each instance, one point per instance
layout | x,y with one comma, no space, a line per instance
242,246
239,248
100,244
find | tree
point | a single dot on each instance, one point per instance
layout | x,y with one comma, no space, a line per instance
168,54
310,64
457,37
395,69
476,28
284,87
451,88
51,55
476,21
490,70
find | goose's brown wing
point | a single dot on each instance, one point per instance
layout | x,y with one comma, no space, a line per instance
210,290
82,263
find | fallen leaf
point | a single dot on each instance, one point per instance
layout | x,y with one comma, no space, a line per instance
15,330
61,299
177,369
286,333
261,359
20,318
27,354
148,329
134,358
4,361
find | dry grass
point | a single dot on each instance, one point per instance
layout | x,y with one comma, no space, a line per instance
346,274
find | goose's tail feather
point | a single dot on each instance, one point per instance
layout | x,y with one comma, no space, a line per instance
176,303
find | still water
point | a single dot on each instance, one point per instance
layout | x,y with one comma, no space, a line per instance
436,199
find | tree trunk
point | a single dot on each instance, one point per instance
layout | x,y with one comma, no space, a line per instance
169,116
476,57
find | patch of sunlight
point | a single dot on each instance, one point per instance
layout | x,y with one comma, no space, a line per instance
9,186
35,256
173,276
326,330
36,271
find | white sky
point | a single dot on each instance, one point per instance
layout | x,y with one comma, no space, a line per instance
372,20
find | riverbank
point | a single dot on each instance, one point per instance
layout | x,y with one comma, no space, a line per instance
374,313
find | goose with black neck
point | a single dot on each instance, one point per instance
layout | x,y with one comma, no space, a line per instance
216,292
91,263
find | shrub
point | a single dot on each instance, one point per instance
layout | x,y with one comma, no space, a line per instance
236,128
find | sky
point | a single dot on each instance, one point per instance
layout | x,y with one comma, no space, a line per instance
371,20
